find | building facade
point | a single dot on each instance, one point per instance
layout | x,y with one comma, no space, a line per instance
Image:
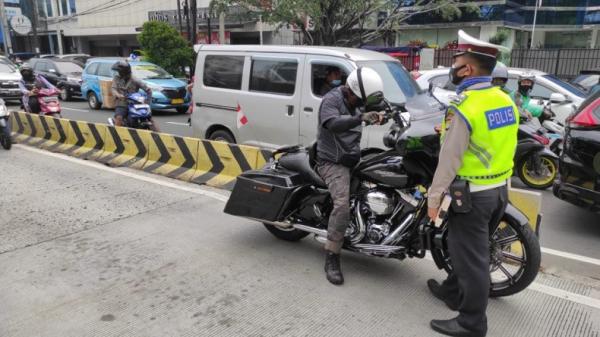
558,24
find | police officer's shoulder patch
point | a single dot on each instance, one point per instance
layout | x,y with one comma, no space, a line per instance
458,99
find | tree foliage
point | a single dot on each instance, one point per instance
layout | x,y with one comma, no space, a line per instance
161,44
345,22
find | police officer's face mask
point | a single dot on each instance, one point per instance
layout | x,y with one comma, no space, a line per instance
454,78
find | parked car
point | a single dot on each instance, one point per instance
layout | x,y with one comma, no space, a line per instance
587,79
167,92
9,82
563,97
80,59
65,75
278,89
579,167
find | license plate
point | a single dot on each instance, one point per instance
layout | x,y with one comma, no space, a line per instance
177,101
141,106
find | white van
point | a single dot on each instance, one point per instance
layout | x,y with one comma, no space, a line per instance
277,89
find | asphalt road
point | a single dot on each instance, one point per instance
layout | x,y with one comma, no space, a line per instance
88,250
565,228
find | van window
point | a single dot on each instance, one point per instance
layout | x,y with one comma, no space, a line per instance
91,69
223,71
319,74
538,91
274,76
398,85
40,66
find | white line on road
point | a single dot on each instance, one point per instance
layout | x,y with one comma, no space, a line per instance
73,109
551,291
99,166
571,256
177,123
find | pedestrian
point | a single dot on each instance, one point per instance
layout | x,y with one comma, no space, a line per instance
338,151
475,164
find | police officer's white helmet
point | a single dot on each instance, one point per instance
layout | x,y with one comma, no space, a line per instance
500,71
366,84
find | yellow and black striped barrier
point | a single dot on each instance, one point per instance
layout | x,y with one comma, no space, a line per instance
200,161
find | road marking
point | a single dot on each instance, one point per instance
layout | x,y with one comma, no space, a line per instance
177,123
72,109
569,296
196,189
559,293
571,256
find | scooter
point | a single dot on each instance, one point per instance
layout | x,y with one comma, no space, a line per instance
535,164
139,114
48,101
5,137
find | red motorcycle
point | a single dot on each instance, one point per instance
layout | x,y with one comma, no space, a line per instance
48,101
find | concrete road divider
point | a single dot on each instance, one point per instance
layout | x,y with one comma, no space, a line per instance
125,147
172,156
85,140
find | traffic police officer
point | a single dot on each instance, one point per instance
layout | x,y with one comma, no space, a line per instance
477,151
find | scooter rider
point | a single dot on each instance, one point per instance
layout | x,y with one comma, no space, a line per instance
522,97
338,151
124,83
500,77
30,85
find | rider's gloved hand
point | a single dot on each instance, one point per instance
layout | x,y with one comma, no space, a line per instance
371,117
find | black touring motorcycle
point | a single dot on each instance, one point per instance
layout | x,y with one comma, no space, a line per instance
388,205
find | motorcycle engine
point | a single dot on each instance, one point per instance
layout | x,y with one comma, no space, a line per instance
379,206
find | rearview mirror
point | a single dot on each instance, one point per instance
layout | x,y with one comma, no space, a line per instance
558,98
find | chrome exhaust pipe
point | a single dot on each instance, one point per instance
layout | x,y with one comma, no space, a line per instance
316,231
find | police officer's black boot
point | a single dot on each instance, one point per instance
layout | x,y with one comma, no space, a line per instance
333,269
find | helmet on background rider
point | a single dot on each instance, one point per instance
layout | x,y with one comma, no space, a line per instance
500,75
367,85
27,72
526,82
123,68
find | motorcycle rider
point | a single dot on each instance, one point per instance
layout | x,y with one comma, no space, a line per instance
30,85
500,77
522,97
475,164
338,151
123,84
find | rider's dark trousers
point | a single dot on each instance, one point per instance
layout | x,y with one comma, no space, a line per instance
337,178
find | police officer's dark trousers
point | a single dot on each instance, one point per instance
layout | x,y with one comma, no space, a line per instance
468,234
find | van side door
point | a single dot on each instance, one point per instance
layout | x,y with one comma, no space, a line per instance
271,102
313,90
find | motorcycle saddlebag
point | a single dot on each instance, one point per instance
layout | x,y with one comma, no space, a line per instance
262,194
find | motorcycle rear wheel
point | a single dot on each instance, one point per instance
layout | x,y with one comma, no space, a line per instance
515,258
287,234
6,141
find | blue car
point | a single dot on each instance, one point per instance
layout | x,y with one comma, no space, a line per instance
167,92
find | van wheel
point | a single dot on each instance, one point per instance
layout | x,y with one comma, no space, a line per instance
65,95
93,101
222,136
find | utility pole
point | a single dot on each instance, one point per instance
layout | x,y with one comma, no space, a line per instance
36,42
186,12
5,31
194,13
209,30
538,3
179,16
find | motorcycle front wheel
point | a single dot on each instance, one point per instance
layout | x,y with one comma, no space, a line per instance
515,258
539,178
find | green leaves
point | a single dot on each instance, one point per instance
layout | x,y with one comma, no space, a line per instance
164,46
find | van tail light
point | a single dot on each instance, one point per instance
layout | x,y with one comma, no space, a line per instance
586,117
415,74
541,139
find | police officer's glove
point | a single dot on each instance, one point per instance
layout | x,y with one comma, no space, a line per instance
370,117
